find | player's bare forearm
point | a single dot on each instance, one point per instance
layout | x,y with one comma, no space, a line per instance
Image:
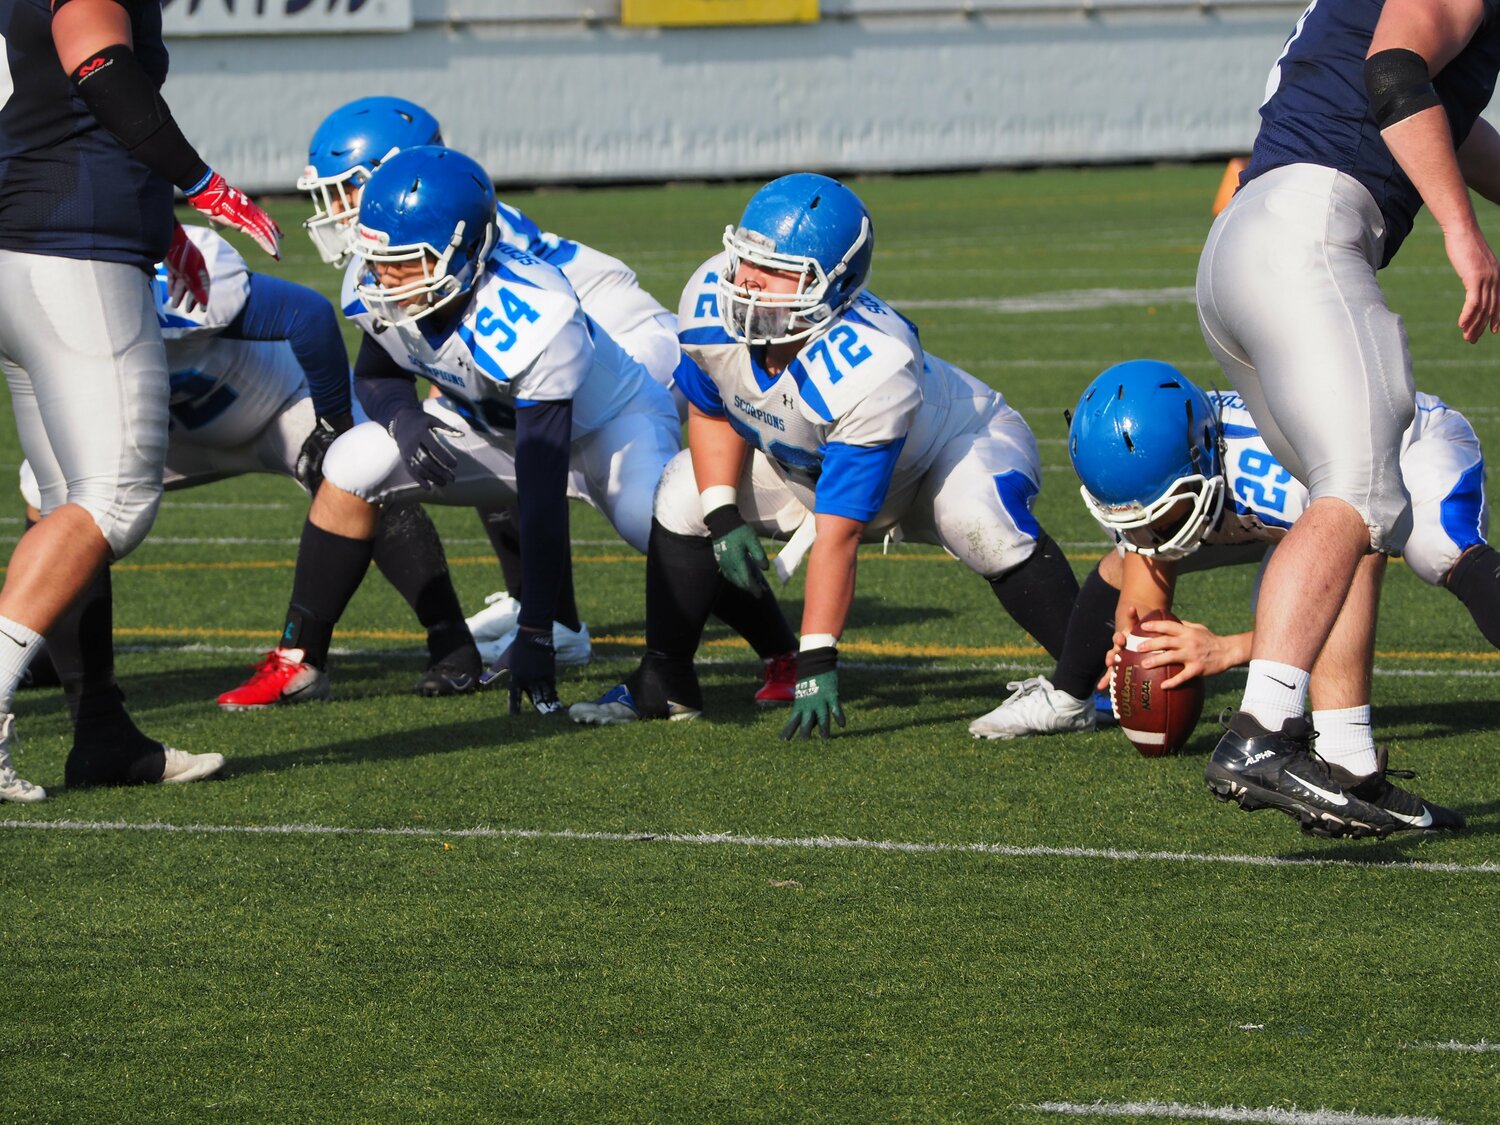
1423,146
831,575
1145,584
718,452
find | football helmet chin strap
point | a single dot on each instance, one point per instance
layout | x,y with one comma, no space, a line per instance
760,318
1134,522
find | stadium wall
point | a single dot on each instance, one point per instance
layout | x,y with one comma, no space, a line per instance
558,91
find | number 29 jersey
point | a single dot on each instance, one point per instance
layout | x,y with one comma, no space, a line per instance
862,411
521,338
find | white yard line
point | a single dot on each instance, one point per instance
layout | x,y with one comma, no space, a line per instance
713,839
1066,300
1483,1047
1270,1115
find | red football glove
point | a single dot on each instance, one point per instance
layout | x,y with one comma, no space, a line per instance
187,273
233,208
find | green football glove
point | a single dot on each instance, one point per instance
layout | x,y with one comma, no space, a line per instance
817,696
737,549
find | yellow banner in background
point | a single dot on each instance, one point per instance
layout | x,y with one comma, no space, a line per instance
706,13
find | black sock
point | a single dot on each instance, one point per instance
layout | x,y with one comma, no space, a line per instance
758,619
409,553
1475,581
504,532
1039,594
1091,632
329,569
682,586
108,748
660,680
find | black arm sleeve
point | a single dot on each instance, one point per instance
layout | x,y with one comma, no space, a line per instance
123,99
544,432
384,389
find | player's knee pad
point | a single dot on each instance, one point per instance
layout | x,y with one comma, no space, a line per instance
362,460
677,506
994,539
125,516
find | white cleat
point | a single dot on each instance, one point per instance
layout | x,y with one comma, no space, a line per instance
1035,707
13,787
501,615
183,767
573,649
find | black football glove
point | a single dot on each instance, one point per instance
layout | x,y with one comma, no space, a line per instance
309,470
533,670
427,457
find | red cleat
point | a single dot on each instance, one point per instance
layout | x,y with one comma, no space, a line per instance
282,677
781,681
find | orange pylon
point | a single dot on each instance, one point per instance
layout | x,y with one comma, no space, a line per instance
1230,183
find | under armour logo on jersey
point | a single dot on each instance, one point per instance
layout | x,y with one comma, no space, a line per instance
786,400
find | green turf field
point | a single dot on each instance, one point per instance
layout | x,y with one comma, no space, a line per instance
399,909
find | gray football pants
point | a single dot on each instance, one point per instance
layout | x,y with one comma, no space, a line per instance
82,351
1291,309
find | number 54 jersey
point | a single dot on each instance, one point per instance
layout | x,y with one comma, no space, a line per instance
522,337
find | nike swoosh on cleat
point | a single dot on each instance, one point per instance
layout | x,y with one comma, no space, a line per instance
1331,798
1423,821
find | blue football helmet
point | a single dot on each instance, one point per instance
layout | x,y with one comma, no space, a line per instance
428,205
803,224
1145,443
345,151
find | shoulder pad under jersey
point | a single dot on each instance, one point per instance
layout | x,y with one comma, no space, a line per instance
849,362
698,310
519,308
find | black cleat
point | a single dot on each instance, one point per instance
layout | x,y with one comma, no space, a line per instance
1263,769
455,674
1410,812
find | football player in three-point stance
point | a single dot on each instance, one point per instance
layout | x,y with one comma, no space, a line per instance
816,414
539,404
344,152
1184,482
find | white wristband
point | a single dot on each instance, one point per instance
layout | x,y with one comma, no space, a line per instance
716,496
817,640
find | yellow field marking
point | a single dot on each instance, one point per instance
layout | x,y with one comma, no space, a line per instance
894,649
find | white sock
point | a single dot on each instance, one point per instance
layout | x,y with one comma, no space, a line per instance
1274,693
1345,739
18,645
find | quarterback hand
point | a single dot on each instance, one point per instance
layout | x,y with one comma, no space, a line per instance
419,437
233,208
309,469
533,670
1199,650
187,273
737,549
816,701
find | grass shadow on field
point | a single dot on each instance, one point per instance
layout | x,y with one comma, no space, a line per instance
1440,719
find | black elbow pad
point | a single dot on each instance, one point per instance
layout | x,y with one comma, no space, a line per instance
1398,86
123,99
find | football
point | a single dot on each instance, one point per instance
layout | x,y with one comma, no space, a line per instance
1157,722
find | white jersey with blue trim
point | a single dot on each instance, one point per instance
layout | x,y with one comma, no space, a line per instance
229,288
607,288
1262,499
864,381
522,338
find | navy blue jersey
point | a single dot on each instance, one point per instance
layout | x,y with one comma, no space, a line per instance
1317,111
68,189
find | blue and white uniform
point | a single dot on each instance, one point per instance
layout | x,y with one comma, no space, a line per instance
1287,292
862,424
238,405
521,338
81,224
1440,459
607,289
